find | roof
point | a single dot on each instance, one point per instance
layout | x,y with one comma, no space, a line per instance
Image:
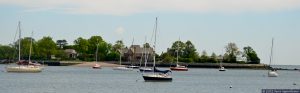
70,51
137,49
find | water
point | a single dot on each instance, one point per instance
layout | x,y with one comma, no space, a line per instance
106,80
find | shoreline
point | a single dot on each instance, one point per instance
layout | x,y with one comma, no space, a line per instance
87,64
190,65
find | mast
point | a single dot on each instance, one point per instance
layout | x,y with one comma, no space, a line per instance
19,24
271,56
143,52
154,41
146,52
133,52
120,56
121,52
97,53
30,46
177,51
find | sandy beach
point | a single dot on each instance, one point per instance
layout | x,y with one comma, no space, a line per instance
90,64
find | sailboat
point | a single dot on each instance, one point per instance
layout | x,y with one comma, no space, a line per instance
120,63
178,67
132,48
96,66
272,72
23,66
157,75
221,66
146,55
30,63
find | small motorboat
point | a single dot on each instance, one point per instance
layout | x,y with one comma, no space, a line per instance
222,69
96,66
272,73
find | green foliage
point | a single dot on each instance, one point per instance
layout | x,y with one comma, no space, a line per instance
25,47
81,45
204,58
118,46
186,51
94,41
61,43
231,53
46,48
177,46
167,58
113,56
251,55
187,60
86,49
190,51
7,52
60,54
213,58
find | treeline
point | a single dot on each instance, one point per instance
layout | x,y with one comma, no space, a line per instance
47,49
187,53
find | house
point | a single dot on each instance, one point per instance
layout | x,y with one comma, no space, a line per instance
134,53
71,53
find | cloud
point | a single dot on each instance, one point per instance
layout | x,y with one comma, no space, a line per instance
130,7
120,30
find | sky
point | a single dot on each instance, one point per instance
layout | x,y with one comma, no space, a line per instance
209,24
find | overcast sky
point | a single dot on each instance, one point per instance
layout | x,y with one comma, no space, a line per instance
209,24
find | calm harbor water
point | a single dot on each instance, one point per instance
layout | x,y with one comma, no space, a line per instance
196,80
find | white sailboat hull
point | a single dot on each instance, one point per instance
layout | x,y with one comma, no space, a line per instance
24,69
122,68
272,74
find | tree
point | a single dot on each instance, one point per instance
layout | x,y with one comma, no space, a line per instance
25,47
61,43
232,51
46,47
60,54
251,55
103,48
87,48
94,41
7,52
186,51
204,57
81,45
113,56
118,46
166,57
190,51
213,58
177,46
146,45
